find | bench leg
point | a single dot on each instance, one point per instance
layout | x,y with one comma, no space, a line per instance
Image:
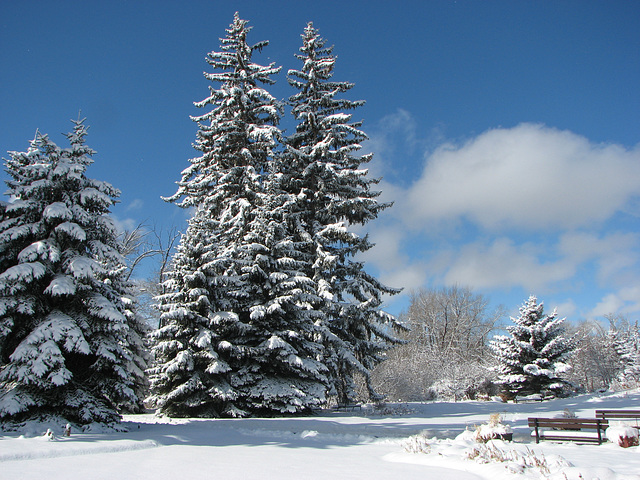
599,433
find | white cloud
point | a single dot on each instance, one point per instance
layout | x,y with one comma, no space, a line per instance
125,224
625,301
530,208
502,263
527,177
136,204
566,309
389,256
615,253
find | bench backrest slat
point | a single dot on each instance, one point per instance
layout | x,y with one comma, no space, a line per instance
568,423
618,413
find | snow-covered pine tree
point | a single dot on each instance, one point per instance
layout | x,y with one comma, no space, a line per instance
188,377
278,301
237,136
323,174
531,359
70,342
626,344
238,333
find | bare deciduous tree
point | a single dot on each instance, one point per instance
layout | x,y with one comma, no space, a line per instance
452,321
142,243
446,351
594,365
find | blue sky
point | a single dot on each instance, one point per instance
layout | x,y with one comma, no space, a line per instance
506,132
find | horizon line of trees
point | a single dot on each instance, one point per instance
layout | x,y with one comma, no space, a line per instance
456,348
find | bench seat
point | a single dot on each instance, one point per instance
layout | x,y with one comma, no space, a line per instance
567,435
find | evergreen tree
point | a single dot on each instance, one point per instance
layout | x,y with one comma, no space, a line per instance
238,334
278,301
237,136
626,344
331,192
531,359
70,342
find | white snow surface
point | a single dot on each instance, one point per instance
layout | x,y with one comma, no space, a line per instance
61,285
404,441
57,210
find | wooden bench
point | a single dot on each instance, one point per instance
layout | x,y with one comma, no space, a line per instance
582,430
620,415
536,397
347,407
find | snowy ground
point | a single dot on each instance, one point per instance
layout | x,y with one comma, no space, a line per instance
367,444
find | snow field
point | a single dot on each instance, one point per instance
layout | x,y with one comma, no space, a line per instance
330,445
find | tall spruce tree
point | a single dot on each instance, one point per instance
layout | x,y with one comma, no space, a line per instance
238,335
331,192
531,359
70,342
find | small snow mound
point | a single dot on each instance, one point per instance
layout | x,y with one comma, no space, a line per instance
48,436
621,434
97,427
467,437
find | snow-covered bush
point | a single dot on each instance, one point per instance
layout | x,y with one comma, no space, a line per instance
391,410
417,444
493,429
463,387
566,413
514,460
622,434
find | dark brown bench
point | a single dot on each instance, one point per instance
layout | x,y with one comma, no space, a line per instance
581,430
347,407
620,415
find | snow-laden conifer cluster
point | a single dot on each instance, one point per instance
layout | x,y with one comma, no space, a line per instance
531,360
266,311
70,341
